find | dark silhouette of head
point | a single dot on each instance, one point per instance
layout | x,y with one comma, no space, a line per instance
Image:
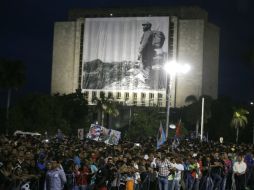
146,26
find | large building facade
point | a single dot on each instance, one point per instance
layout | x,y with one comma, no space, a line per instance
98,51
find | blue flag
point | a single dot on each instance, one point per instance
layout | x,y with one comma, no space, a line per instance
161,137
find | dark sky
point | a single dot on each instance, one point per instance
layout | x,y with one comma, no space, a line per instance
26,33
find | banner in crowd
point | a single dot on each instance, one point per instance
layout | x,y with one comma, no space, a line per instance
125,53
102,134
80,134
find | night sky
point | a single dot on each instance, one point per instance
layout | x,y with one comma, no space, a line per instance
26,33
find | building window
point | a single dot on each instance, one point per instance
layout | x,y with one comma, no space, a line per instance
160,96
143,95
127,96
94,94
118,95
110,95
151,96
151,103
171,39
102,94
135,96
86,94
135,103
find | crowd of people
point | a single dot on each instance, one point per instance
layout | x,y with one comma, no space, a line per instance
73,164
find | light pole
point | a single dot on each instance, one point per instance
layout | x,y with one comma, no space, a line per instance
168,89
172,68
252,113
130,112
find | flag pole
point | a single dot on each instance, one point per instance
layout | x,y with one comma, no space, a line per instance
202,119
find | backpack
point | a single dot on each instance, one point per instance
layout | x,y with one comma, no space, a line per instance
158,39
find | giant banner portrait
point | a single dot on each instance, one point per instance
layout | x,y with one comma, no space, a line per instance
102,134
125,53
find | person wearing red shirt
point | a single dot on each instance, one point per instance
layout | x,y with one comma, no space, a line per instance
81,176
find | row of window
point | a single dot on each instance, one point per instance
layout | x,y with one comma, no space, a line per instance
171,39
126,95
134,101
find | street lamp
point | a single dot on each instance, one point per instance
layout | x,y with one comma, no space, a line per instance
172,68
252,113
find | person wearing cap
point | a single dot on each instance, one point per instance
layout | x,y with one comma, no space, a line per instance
146,49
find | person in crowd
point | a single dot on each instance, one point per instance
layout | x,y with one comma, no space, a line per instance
82,177
164,167
41,168
137,179
55,177
193,165
206,182
216,170
248,159
191,172
227,172
76,159
145,177
69,173
239,169
178,169
104,175
6,176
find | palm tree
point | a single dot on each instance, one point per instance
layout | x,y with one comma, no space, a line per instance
239,120
193,109
105,105
12,76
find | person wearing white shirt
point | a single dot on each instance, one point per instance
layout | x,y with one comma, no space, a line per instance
136,177
178,167
153,163
239,169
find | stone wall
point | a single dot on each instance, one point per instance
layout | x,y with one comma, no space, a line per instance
63,57
211,60
190,51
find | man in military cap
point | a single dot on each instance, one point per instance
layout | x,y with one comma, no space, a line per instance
146,49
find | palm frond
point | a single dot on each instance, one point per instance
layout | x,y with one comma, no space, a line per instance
239,118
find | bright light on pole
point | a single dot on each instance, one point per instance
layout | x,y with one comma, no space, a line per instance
172,68
185,68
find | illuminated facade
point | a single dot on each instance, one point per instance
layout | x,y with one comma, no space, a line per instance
97,51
